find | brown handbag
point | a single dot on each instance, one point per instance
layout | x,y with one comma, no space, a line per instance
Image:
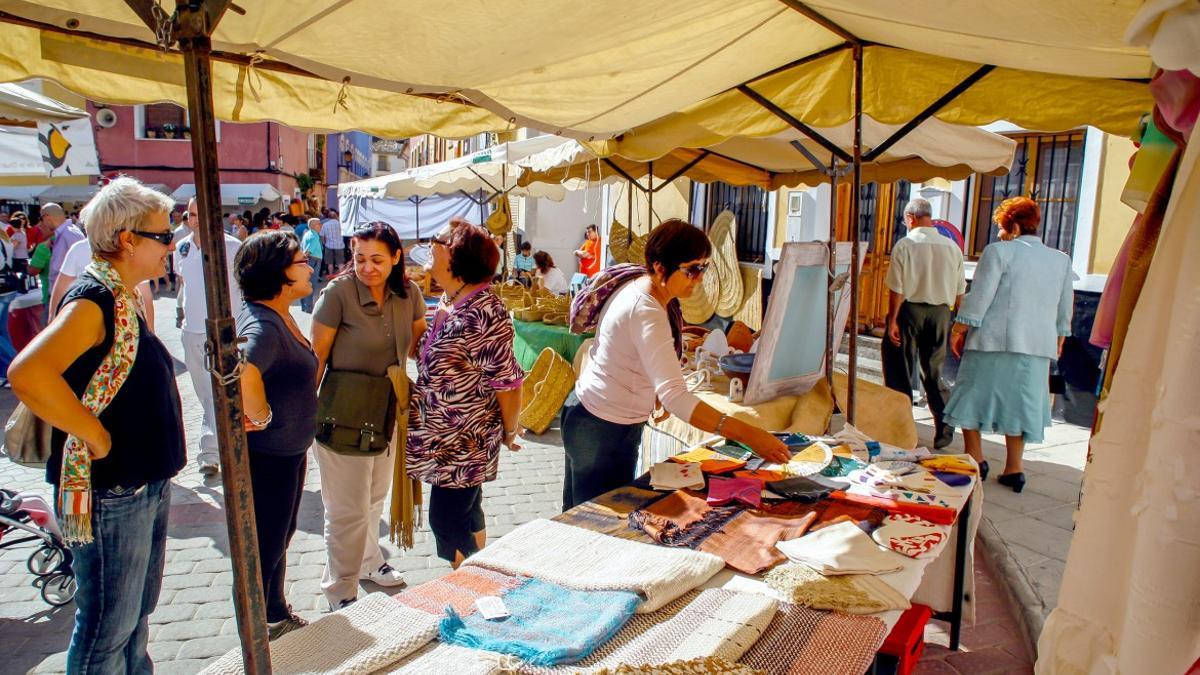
27,438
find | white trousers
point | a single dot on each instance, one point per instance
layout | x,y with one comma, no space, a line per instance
193,359
353,490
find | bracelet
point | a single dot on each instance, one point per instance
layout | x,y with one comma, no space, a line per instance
721,423
265,422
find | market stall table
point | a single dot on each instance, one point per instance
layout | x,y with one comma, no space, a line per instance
534,336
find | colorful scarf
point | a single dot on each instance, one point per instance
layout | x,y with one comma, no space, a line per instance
75,482
588,303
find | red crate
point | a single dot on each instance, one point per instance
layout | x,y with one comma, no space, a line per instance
906,642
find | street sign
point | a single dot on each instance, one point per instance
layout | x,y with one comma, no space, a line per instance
247,201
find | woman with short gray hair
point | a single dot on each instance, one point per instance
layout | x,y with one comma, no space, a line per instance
106,384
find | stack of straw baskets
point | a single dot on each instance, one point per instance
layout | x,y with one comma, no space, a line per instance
544,390
537,305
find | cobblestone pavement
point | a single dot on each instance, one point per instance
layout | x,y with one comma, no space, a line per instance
194,620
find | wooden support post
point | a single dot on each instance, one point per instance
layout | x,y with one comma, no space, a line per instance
855,208
195,24
831,349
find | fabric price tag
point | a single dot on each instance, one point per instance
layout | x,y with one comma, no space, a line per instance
491,607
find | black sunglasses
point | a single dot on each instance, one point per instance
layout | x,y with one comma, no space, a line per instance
164,238
694,271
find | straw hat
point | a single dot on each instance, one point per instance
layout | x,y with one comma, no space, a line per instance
703,302
723,235
751,311
545,390
619,239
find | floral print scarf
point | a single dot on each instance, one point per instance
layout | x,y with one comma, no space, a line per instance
75,483
588,303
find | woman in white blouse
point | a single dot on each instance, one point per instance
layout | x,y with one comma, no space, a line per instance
551,277
635,362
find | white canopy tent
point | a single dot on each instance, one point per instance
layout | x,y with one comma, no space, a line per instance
490,171
246,195
25,105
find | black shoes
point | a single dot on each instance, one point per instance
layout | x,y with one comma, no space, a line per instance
983,471
943,437
1016,481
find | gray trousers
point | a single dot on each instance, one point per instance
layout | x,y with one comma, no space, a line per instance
193,359
924,338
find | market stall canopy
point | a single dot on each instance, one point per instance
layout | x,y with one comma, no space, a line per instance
21,105
23,151
934,149
491,170
603,68
233,194
79,194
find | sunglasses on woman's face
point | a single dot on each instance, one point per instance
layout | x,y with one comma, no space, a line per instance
695,270
439,240
164,238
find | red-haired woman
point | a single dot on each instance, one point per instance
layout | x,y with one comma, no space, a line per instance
1011,324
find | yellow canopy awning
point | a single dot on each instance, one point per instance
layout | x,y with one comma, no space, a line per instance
125,74
603,68
933,149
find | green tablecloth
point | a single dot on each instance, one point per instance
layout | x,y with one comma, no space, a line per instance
534,336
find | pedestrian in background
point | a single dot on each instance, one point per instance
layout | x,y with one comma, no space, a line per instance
335,245
310,243
65,232
468,391
365,322
98,374
925,283
589,252
189,265
280,398
549,276
1010,326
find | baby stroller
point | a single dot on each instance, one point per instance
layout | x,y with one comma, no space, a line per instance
28,514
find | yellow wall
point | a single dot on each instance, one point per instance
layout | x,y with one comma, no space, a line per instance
669,202
1113,217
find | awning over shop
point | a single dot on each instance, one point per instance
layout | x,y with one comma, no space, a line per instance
606,67
234,194
25,194
20,104
933,149
491,170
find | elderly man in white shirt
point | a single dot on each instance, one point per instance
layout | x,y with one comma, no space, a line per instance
925,281
189,265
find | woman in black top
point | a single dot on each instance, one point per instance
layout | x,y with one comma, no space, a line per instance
135,442
280,396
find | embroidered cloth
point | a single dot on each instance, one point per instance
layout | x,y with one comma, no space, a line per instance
587,561
851,594
547,625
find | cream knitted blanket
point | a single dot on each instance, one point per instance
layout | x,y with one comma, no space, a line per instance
576,558
367,636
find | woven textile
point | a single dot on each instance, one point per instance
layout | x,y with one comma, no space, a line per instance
369,635
548,624
586,561
742,538
706,666
802,640
609,513
851,594
459,590
841,549
439,658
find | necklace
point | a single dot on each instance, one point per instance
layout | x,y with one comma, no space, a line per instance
457,293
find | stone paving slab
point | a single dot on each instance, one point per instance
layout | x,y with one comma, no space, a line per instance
194,621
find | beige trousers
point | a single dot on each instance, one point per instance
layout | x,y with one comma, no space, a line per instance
354,490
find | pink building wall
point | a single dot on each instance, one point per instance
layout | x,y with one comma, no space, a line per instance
245,153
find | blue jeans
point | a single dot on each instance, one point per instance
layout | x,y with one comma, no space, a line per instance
119,576
601,455
7,351
306,304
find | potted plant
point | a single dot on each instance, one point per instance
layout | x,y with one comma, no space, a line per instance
169,130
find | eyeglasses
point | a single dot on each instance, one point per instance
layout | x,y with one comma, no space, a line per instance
302,261
164,238
694,271
439,240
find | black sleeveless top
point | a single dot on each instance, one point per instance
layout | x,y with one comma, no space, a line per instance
144,419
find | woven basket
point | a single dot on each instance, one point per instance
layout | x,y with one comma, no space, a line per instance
529,314
556,319
637,250
542,399
619,240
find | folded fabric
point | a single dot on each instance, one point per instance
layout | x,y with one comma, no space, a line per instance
840,549
803,488
676,476
910,536
710,460
940,515
953,479
742,538
722,491
609,513
763,475
583,560
710,665
850,594
369,635
547,623
805,640
458,590
951,463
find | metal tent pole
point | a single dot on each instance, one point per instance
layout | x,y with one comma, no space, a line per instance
855,207
650,198
193,24
830,348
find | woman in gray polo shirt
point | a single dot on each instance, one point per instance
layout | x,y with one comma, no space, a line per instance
365,321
